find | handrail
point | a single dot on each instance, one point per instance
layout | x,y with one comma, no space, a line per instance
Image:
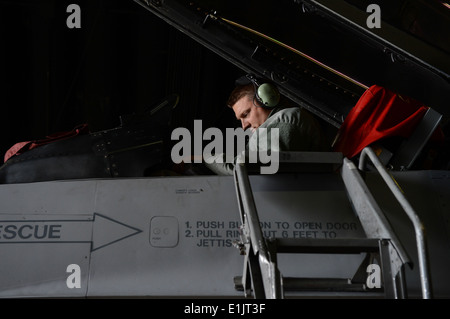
418,226
251,220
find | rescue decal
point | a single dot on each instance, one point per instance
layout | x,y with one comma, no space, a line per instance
97,230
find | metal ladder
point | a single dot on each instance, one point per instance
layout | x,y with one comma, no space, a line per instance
261,277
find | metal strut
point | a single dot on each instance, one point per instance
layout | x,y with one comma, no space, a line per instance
418,225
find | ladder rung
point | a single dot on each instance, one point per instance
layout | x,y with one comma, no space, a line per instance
315,284
322,284
326,246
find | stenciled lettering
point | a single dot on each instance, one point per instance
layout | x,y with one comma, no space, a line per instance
30,231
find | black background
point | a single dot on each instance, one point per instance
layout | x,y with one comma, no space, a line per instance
122,60
125,59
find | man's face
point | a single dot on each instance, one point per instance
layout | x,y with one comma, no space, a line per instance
250,115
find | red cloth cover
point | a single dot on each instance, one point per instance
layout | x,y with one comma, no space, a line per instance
379,113
22,147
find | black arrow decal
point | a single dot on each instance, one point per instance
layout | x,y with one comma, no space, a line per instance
98,230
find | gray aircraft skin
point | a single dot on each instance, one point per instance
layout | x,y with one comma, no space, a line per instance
181,245
196,235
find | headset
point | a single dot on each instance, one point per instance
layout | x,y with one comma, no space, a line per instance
266,93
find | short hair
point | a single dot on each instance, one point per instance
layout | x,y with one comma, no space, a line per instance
239,92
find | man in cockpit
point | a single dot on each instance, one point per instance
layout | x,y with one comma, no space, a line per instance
258,105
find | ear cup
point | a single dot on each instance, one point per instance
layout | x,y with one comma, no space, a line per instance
268,95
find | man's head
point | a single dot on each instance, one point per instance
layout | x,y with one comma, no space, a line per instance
247,108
